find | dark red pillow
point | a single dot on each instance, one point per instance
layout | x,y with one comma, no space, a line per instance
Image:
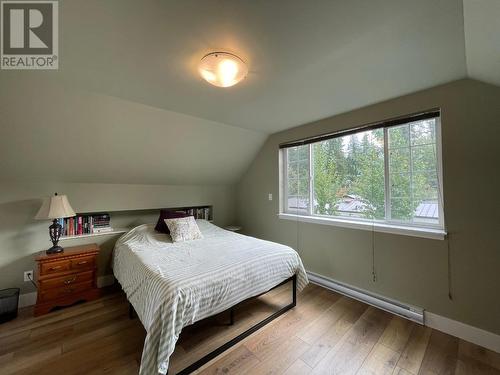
167,214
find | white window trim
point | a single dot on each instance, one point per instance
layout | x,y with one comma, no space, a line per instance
430,231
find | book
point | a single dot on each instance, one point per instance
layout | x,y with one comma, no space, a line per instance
80,225
85,224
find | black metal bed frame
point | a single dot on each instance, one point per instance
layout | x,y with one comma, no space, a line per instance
221,349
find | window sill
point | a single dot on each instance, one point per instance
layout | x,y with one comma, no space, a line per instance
434,234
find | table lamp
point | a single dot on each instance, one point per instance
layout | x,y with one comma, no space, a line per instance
54,208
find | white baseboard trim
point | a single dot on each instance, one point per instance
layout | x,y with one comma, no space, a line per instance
105,280
29,299
464,331
413,313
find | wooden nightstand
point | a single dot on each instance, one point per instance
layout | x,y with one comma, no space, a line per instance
67,277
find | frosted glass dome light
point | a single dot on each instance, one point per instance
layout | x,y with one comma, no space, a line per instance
222,69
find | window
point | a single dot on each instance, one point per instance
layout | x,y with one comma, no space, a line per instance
298,179
388,175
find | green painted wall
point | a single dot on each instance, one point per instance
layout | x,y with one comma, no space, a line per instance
21,236
411,270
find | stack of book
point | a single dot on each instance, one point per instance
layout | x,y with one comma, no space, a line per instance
86,224
199,213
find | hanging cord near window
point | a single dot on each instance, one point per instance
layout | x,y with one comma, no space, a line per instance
297,227
450,294
441,204
374,272
297,207
448,244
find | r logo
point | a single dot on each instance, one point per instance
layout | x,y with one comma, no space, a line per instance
29,34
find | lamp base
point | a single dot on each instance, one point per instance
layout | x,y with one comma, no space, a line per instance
54,250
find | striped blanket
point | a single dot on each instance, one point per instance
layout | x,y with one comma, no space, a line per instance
172,285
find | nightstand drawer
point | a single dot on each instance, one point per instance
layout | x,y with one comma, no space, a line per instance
83,263
65,291
54,267
63,281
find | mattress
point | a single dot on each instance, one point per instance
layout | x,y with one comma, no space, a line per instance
172,285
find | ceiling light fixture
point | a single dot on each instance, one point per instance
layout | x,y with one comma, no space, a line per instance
222,69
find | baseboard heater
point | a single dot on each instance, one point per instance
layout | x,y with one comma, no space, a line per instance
409,312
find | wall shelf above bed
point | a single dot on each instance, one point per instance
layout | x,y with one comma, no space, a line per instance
113,232
124,222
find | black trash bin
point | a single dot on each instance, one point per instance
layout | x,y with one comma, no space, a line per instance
9,299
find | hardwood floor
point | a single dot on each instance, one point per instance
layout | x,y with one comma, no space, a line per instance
325,334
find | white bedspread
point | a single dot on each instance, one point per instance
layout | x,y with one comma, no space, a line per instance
172,285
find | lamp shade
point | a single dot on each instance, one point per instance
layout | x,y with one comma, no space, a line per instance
54,208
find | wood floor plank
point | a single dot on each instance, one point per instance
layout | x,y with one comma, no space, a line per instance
61,317
401,371
201,335
52,333
24,360
238,361
331,336
122,365
112,314
64,322
355,346
30,322
5,358
310,307
185,354
74,343
299,367
11,342
441,355
326,343
102,351
413,354
53,339
317,327
381,361
470,366
397,333
279,358
270,336
488,357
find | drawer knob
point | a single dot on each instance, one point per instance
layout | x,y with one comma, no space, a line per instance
82,263
55,268
69,281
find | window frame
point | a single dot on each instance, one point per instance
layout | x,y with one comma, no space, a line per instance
388,225
284,185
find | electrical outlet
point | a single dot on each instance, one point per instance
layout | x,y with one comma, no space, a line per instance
28,273
270,197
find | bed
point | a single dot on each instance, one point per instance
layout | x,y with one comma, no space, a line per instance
172,285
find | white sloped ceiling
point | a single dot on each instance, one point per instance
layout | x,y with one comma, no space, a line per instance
51,132
482,39
308,59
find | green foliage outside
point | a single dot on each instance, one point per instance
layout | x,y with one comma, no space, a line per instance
354,166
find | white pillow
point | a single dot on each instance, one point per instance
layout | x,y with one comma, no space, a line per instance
183,229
